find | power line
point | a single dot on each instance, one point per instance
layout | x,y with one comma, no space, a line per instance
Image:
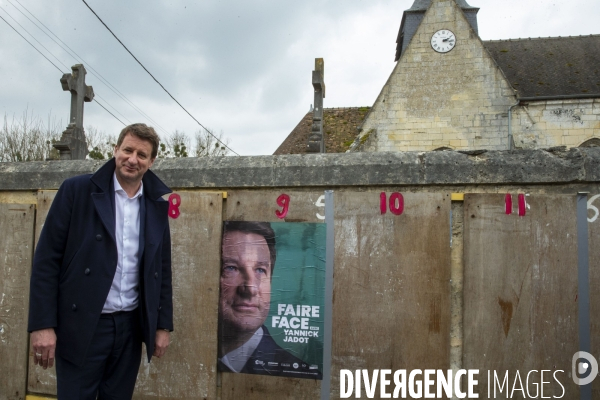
43,55
156,80
111,106
77,57
100,104
34,38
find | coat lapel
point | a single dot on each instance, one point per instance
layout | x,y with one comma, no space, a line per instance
153,210
105,211
104,199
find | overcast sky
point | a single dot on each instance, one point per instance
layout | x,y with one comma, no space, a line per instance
239,66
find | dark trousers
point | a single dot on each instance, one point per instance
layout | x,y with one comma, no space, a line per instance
112,361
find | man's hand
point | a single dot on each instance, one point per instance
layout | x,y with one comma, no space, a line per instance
161,343
43,343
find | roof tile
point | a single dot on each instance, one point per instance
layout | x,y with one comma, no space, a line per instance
339,126
549,67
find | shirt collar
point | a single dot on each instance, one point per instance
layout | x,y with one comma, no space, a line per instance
237,358
119,188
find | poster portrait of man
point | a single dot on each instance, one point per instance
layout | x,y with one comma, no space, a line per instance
271,298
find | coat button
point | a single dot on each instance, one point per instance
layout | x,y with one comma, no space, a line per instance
159,308
98,237
155,275
87,271
74,307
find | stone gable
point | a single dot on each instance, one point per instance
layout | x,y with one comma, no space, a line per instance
458,99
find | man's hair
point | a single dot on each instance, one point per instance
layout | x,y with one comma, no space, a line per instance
143,132
260,228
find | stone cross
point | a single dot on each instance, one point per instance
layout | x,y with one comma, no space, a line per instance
316,141
72,145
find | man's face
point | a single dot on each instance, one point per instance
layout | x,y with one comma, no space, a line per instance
245,281
133,158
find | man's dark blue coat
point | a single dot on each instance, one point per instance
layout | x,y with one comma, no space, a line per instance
76,259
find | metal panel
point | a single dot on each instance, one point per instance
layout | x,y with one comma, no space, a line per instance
188,370
391,285
261,206
594,265
520,291
16,225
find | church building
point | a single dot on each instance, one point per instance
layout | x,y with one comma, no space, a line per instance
449,90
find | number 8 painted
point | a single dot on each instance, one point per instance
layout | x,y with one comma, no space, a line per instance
174,203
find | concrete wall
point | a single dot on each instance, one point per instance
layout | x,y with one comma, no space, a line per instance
405,296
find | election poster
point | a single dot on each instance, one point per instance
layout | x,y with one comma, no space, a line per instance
271,303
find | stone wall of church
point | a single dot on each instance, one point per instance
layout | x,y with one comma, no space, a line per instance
459,99
556,123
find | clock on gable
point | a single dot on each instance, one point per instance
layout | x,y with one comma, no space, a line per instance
443,41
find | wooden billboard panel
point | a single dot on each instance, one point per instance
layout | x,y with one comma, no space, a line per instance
266,205
188,370
44,201
41,381
391,299
520,291
16,223
263,206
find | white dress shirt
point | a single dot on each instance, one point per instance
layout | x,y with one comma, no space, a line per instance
124,291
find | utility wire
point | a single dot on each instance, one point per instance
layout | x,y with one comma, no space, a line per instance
111,106
156,80
100,104
50,61
77,57
34,38
43,55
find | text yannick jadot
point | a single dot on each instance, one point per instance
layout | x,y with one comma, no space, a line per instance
431,384
295,322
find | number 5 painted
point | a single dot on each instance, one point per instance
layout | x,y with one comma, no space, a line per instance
320,203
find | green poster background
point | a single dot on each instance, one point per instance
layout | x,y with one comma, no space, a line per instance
299,279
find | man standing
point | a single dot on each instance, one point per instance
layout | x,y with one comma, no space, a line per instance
101,277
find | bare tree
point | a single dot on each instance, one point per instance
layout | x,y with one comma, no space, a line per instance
100,145
208,145
175,145
28,138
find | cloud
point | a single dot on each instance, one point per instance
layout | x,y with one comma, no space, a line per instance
243,67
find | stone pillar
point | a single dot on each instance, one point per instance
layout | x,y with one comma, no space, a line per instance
316,141
72,145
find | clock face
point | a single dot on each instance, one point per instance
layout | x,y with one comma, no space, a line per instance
443,41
